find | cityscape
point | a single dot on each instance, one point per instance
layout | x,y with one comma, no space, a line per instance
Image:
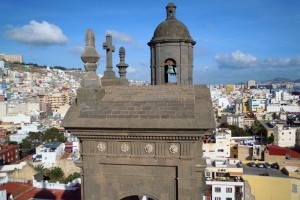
74,131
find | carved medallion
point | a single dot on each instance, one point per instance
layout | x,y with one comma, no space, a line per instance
149,148
124,147
101,146
173,148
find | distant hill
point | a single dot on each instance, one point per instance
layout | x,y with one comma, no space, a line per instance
279,80
297,81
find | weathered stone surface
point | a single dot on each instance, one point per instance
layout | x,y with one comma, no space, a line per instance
172,107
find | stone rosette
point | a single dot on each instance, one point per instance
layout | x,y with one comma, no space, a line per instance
125,147
149,148
101,146
173,148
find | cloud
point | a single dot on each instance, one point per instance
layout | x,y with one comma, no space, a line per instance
235,60
119,36
77,50
131,69
37,33
239,60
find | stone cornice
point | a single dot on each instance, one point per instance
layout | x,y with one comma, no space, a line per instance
130,137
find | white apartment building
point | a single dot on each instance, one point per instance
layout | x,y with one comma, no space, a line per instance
48,153
18,119
286,108
284,136
236,120
223,103
257,105
251,83
12,58
224,180
217,145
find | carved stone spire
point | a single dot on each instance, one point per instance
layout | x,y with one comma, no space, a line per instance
90,58
122,67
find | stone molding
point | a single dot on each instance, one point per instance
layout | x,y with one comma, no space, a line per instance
127,137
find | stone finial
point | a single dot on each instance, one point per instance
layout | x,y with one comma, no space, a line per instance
122,65
171,10
90,56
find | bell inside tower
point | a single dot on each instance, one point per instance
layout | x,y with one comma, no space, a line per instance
170,71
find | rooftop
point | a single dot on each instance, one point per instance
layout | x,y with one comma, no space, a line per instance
25,191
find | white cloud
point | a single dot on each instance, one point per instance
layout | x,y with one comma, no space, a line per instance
77,50
236,59
37,33
119,36
239,60
131,69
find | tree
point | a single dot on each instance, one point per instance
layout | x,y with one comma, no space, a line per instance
275,115
271,139
39,168
258,128
53,175
235,130
53,135
12,143
26,144
71,177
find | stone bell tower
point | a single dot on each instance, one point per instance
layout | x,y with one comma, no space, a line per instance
171,52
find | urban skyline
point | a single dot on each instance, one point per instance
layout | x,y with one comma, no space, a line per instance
236,41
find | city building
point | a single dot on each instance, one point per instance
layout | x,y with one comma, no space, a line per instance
284,136
236,120
257,105
12,58
48,153
217,145
273,188
9,154
229,88
224,180
251,84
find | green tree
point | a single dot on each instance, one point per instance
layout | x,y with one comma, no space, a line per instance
73,176
235,130
39,168
56,174
257,128
26,145
53,135
12,143
271,139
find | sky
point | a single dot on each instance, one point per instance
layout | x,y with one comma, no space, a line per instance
236,40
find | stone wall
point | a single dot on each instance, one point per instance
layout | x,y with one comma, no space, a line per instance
67,166
282,161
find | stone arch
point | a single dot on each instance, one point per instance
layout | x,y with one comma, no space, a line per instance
123,196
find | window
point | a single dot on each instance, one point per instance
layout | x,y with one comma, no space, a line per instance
228,198
294,188
217,198
220,150
228,190
217,189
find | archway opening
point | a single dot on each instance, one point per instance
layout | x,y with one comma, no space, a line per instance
170,71
137,197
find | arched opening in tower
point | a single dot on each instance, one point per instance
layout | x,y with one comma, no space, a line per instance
170,71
